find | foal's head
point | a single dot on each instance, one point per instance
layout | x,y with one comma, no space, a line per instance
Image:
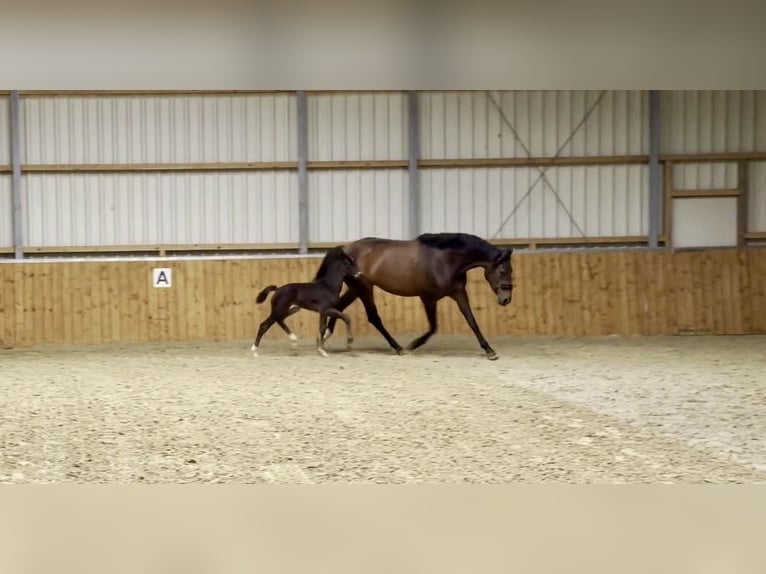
500,276
338,262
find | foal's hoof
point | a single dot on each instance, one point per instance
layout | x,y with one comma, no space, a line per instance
322,352
492,356
254,350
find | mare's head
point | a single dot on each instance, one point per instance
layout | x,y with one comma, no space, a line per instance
499,274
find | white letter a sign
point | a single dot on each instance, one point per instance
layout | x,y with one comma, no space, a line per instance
162,277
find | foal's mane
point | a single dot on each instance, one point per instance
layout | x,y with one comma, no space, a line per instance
330,257
463,242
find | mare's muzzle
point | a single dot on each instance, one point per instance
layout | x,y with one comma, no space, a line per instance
504,294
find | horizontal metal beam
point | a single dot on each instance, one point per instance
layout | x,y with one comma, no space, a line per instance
231,247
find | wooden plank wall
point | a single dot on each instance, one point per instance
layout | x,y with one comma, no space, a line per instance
573,294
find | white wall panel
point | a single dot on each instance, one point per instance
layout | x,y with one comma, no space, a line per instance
348,205
5,134
757,197
705,176
469,125
357,126
713,121
161,208
6,212
603,201
705,222
159,129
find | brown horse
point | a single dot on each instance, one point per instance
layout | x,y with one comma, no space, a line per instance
432,266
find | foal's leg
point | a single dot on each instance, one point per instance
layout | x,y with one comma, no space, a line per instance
290,335
265,326
335,314
281,322
430,307
348,297
461,298
320,337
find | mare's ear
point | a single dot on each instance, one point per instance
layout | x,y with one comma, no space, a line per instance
503,256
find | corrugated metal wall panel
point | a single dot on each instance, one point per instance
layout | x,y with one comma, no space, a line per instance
347,205
161,208
357,126
6,212
159,129
603,201
757,197
713,121
5,137
705,176
469,125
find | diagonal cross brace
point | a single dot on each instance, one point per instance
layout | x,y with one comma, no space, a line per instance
542,170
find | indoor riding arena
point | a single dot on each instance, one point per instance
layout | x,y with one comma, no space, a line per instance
137,228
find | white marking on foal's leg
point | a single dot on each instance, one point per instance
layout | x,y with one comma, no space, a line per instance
254,350
322,351
326,334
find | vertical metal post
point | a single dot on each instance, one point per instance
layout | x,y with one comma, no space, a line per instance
18,200
655,171
742,202
303,178
414,157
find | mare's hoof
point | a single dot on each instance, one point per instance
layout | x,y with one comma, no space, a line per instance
492,356
322,352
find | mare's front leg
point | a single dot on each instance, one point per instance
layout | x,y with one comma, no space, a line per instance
461,298
430,306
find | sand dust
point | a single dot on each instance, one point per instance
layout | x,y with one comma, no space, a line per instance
607,410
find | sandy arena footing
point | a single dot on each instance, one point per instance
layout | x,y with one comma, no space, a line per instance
603,410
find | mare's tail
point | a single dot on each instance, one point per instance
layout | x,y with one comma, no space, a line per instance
265,293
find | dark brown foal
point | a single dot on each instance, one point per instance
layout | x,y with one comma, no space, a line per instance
321,295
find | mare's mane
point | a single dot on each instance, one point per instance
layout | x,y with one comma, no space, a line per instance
463,242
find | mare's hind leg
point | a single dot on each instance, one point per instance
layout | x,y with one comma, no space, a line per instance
335,314
368,300
430,307
348,297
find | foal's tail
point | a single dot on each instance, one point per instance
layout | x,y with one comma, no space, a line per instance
265,293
